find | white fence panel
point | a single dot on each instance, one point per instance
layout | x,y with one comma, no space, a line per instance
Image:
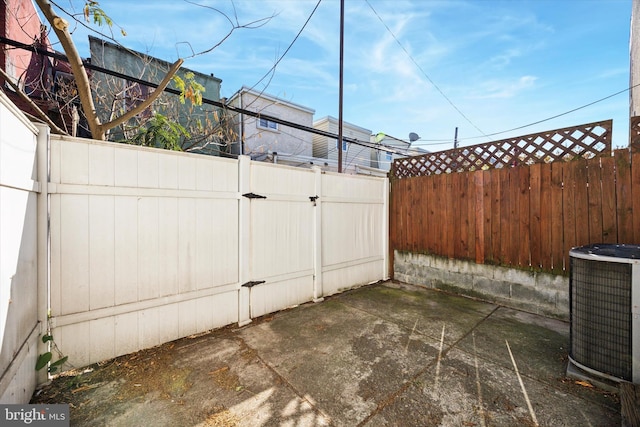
18,255
144,246
354,231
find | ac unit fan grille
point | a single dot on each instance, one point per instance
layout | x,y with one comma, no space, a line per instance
601,316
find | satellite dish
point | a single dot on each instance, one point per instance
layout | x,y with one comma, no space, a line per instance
413,137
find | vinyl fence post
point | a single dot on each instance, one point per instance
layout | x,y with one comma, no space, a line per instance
42,159
317,237
244,240
385,229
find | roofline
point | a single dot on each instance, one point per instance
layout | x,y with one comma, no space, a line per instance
272,98
165,62
333,119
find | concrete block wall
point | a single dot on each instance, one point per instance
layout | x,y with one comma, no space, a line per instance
535,292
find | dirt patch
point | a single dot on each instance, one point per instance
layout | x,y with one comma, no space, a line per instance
223,418
139,373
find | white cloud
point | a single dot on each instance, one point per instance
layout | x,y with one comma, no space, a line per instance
507,88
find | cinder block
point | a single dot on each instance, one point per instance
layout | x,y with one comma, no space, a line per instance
511,275
551,281
492,288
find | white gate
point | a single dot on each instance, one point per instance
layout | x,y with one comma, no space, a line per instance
281,248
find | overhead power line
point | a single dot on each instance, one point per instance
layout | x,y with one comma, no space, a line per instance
207,101
424,73
289,47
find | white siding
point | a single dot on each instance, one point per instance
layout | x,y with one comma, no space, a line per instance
325,147
260,140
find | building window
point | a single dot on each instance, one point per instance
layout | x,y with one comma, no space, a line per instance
389,156
345,145
267,124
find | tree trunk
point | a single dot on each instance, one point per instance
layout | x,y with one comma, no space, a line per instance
60,26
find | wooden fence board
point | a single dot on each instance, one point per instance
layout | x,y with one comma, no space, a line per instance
416,208
399,188
420,206
545,217
434,211
624,204
487,212
472,212
455,214
514,214
534,220
595,201
464,215
479,218
404,235
495,217
635,193
505,212
557,238
524,223
425,215
579,167
569,210
609,217
448,215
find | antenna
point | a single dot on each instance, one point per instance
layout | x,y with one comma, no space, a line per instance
413,137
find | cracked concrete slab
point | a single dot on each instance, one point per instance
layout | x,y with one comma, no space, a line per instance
380,355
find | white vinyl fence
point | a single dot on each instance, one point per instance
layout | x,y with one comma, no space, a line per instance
148,246
114,248
19,326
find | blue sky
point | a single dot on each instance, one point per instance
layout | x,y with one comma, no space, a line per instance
427,66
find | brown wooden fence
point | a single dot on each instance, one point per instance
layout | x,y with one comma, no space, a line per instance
526,216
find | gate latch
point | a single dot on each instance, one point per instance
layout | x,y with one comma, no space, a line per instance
253,283
313,199
253,196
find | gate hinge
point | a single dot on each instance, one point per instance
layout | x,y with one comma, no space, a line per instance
253,283
253,196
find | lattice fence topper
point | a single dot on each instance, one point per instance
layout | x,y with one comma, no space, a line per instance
587,141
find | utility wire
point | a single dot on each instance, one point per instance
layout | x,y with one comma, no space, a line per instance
444,142
288,48
563,114
539,121
423,72
87,64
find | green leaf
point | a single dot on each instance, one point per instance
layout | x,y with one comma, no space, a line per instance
43,359
46,338
59,362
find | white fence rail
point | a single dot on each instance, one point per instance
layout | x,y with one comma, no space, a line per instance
18,255
148,246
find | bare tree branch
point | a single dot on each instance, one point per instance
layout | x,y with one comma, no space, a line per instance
147,102
37,109
234,25
60,27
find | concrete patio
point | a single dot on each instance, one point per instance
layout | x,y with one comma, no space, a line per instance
381,355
